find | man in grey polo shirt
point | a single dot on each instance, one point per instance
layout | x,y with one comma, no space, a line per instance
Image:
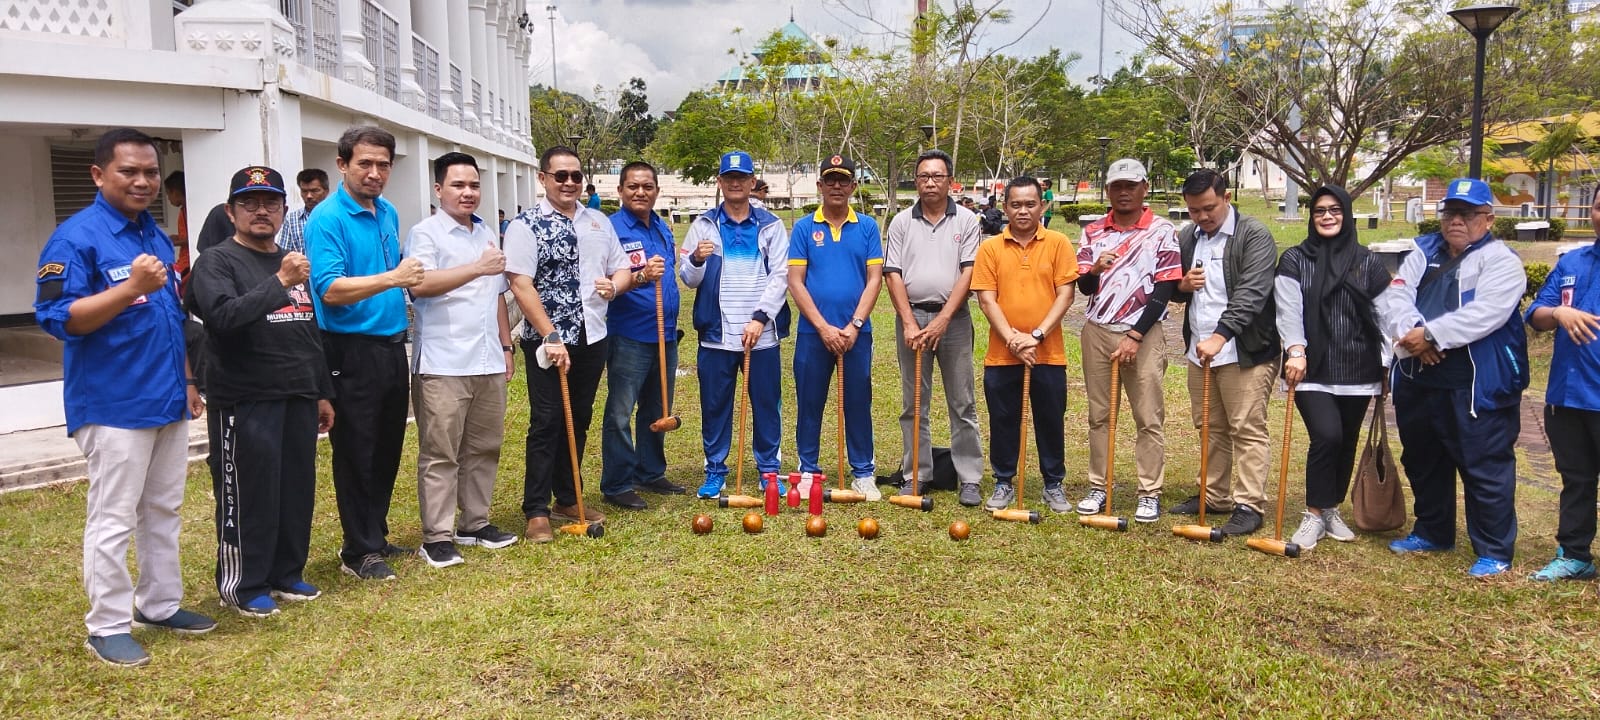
928,268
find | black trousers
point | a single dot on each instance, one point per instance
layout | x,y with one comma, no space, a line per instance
1574,436
549,465
1333,423
372,394
1002,389
1441,440
264,476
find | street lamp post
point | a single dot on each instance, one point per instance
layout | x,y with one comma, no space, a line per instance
550,10
1105,142
1481,21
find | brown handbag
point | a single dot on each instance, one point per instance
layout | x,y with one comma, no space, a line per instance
1378,502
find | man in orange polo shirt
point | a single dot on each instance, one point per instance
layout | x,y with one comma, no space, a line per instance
1039,268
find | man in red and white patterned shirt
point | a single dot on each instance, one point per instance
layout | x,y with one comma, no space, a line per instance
1128,268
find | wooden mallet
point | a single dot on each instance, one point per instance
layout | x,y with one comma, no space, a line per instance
1201,531
915,500
1104,519
738,499
842,494
668,421
1018,514
1276,546
583,526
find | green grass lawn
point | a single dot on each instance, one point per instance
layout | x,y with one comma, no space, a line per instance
1053,620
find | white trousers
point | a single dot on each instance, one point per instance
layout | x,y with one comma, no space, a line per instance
136,480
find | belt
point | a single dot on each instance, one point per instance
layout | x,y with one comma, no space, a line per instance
931,307
398,337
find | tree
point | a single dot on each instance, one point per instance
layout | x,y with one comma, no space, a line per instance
1344,92
705,125
633,113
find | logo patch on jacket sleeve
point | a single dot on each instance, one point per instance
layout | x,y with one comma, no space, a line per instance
51,270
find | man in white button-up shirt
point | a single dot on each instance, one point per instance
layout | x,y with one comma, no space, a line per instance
460,363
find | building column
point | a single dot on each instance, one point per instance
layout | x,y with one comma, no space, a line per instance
461,56
411,93
358,70
491,83
432,19
477,11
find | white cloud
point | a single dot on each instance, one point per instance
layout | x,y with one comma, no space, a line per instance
678,46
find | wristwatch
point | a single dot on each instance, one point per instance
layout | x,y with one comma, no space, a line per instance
554,338
1428,335
857,323
1038,334
1295,354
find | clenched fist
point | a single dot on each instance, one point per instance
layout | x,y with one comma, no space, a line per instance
703,251
147,274
407,274
492,261
293,270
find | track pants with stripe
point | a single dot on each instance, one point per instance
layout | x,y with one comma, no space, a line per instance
264,477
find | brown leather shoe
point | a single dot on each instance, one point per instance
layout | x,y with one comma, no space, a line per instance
569,513
539,530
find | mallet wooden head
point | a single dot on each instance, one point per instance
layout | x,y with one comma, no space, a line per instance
1031,517
1274,547
1198,533
1104,522
915,502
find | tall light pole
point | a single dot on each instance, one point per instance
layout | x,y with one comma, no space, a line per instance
551,11
1481,21
1104,143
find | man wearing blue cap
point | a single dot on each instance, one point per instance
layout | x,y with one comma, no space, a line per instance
835,271
1462,364
737,257
268,385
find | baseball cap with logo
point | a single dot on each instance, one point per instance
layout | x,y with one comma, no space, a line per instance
1126,169
736,161
1470,191
838,165
256,178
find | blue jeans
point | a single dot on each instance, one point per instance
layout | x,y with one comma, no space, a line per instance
630,452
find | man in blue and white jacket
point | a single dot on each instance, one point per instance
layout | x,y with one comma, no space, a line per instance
737,256
1458,382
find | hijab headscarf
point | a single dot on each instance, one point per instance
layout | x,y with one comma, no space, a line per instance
1334,265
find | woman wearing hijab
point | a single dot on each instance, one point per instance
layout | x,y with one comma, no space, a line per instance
1326,292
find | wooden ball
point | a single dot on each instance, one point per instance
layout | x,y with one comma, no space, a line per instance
867,528
816,526
701,524
752,522
959,530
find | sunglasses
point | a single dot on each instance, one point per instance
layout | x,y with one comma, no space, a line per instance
1330,211
566,176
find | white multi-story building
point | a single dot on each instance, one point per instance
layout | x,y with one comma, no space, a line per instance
227,83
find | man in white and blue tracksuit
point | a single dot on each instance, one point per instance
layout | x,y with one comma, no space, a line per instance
1462,364
737,257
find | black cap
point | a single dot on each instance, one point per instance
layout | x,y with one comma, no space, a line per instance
254,178
838,164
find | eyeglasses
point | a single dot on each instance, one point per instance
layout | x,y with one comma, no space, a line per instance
250,204
1334,211
565,176
1448,215
936,177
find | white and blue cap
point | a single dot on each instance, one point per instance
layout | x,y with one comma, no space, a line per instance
736,161
1468,190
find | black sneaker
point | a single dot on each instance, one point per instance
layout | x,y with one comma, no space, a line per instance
628,500
1192,507
391,550
661,486
441,554
487,536
1245,520
370,567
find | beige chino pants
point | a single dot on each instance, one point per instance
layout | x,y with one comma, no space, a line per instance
460,426
1238,432
1143,381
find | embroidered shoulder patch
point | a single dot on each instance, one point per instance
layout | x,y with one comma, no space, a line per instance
49,269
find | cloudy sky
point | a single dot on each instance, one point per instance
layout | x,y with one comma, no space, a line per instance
682,45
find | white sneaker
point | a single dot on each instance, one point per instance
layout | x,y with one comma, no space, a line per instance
867,486
1311,530
1149,509
1092,503
1335,526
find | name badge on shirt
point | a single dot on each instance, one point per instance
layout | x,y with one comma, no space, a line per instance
1568,283
120,274
635,251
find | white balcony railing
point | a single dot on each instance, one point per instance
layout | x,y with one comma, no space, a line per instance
99,21
381,42
427,60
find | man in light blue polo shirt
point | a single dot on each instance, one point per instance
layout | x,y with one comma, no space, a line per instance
1569,304
357,285
835,270
634,456
105,289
